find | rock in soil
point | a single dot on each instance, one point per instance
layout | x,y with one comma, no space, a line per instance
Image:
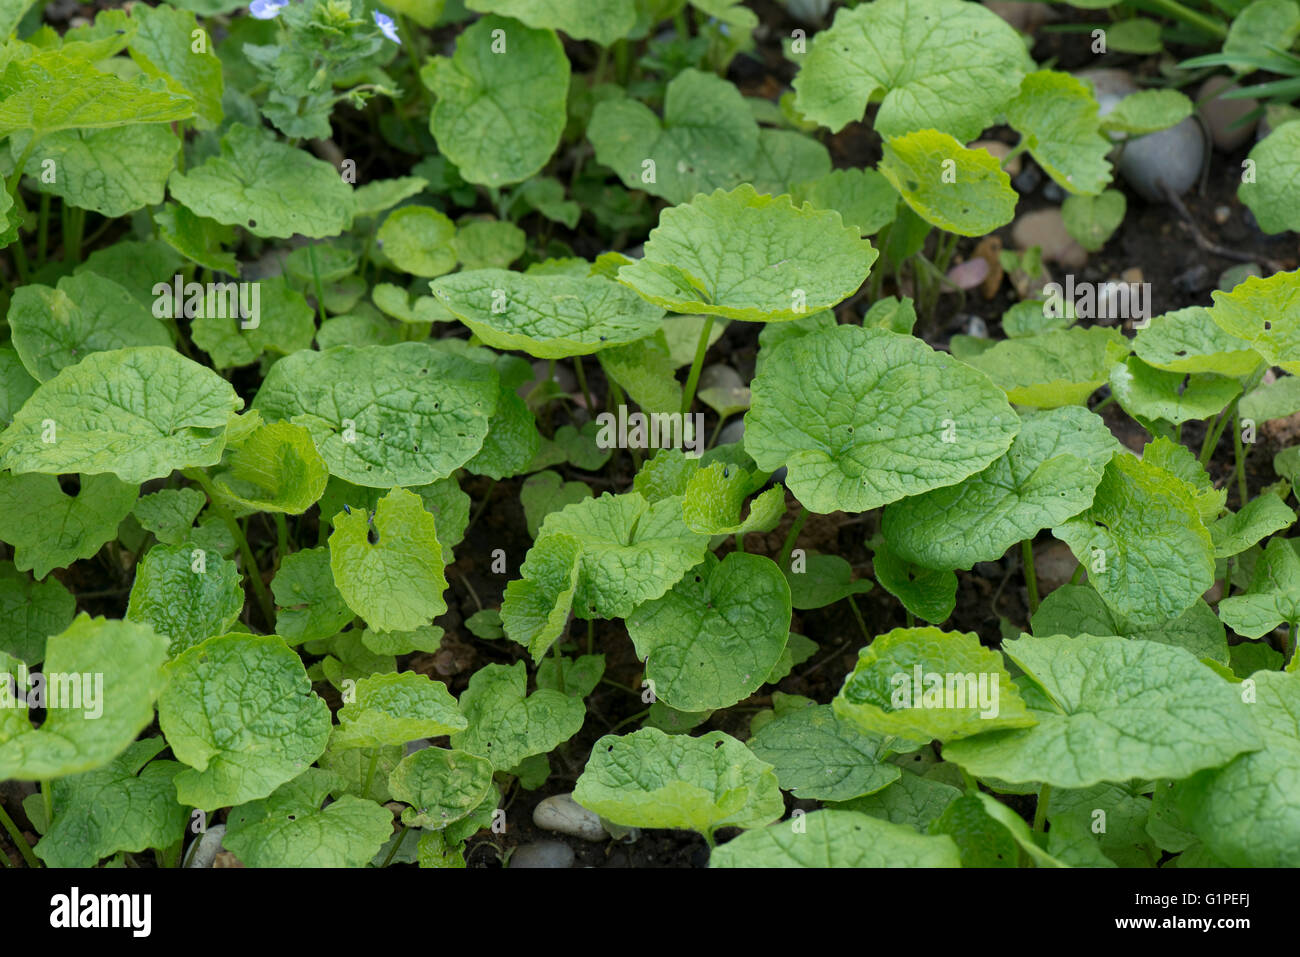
561,813
1172,157
1046,228
1055,564
1222,116
550,854
204,853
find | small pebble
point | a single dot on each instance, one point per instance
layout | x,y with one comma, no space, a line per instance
1053,193
733,431
1196,279
977,327
561,813
1223,117
1001,151
204,854
1045,228
1172,157
1028,179
1230,278
969,274
552,854
1222,214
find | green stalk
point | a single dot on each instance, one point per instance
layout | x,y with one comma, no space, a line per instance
591,635
1040,810
740,542
1176,11
788,545
74,224
1031,574
692,380
582,383
43,230
1239,456
862,622
1213,435
397,844
47,800
320,288
559,668
17,836
281,537
250,563
1078,574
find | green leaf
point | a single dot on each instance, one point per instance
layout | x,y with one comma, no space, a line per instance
980,838
500,100
1079,609
1019,830
1057,368
862,197
1050,473
1189,340
928,593
291,829
536,606
282,324
652,779
1143,542
1147,111
255,183
364,771
547,492
961,190
426,638
924,684
836,838
185,594
50,529
1120,709
16,385
785,157
441,786
111,674
820,756
1265,313
912,800
1056,116
506,725
1178,460
276,469
603,21
630,551
1273,400
396,708
819,580
310,606
239,710
864,417
110,171
713,639
56,90
139,413
938,63
1247,813
169,513
702,258
418,240
485,244
1092,220
581,675
646,370
1270,194
707,139
389,567
29,611
118,807
547,316
197,238
715,496
1259,518
1146,392
165,46
1273,596
1262,25
384,415
55,328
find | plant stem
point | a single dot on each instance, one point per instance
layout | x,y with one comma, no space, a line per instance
1213,435
251,571
862,622
1031,574
1239,456
315,275
692,380
1040,809
591,635
43,230
740,542
629,719
582,383
1078,574
370,772
47,800
24,848
1103,403
788,545
1176,11
396,844
281,537
74,223
559,668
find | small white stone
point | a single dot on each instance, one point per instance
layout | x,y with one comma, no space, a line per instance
561,813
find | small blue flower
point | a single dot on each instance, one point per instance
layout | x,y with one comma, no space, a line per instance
266,9
386,26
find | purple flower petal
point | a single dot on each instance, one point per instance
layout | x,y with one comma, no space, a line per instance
266,9
386,26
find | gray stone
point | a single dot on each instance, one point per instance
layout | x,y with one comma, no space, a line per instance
1173,157
562,814
551,854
